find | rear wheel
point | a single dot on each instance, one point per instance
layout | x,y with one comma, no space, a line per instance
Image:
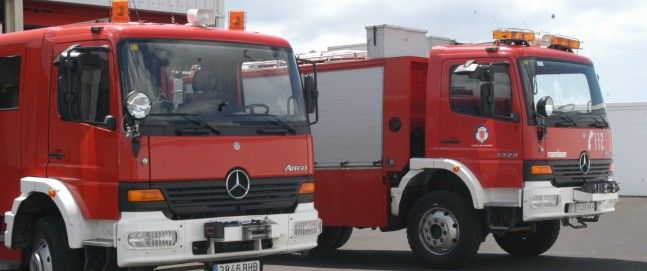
50,250
530,243
443,230
332,238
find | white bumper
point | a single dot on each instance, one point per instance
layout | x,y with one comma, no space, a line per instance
284,238
567,196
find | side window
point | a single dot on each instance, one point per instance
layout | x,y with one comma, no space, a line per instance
472,96
86,97
9,82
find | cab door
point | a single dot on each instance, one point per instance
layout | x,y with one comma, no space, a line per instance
480,126
82,146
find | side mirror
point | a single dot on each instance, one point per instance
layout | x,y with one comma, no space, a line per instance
69,85
310,94
468,68
70,68
545,106
110,122
474,70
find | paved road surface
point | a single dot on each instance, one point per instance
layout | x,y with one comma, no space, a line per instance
617,242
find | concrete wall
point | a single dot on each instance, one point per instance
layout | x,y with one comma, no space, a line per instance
629,125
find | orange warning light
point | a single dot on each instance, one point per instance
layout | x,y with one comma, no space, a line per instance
237,20
120,11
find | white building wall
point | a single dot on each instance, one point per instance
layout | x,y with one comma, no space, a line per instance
629,125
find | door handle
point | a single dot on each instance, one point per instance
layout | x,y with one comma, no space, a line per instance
57,155
452,140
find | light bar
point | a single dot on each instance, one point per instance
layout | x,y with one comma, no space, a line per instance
201,17
514,34
564,42
120,11
237,20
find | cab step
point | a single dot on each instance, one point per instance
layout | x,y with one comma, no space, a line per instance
9,265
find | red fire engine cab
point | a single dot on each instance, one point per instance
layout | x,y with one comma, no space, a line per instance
509,138
137,145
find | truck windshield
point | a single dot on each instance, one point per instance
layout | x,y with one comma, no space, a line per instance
214,88
573,87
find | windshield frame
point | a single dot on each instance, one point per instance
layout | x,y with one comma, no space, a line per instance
529,96
255,127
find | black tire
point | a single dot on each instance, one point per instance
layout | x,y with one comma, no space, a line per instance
50,236
332,238
440,244
346,232
526,244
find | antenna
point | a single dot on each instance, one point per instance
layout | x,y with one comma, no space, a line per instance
524,24
495,22
136,11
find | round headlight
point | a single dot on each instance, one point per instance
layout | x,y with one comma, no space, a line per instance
138,104
545,106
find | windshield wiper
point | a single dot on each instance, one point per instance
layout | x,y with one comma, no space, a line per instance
598,123
193,119
279,122
564,120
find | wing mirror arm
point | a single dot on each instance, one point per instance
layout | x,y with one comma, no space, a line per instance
310,91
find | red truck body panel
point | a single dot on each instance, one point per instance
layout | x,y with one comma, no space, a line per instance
415,91
97,159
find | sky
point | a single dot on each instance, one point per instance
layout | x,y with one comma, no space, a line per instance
614,32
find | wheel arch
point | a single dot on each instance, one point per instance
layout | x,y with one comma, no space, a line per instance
427,175
35,202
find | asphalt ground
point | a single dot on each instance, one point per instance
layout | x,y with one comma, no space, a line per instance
617,242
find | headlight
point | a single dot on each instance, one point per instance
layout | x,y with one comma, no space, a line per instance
152,239
138,104
308,227
544,201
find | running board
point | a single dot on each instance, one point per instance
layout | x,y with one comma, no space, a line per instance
99,243
9,265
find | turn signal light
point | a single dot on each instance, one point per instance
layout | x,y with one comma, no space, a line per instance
237,20
307,188
513,34
541,169
120,11
564,42
145,195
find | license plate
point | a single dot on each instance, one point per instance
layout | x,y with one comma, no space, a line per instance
239,266
585,207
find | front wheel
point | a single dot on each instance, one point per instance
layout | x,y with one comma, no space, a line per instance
533,243
50,250
443,230
332,238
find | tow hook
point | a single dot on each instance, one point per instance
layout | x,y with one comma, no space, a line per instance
581,220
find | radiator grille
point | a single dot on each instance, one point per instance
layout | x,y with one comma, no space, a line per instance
567,172
210,199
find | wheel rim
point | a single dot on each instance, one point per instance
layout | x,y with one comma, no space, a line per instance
41,258
439,231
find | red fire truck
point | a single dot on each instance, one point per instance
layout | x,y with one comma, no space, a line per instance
508,137
137,145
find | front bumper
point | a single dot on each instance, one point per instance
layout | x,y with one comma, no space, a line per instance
285,235
566,199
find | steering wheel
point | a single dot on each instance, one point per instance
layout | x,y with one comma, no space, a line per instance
251,109
571,106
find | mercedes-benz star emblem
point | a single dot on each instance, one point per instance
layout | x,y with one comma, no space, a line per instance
585,162
237,183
